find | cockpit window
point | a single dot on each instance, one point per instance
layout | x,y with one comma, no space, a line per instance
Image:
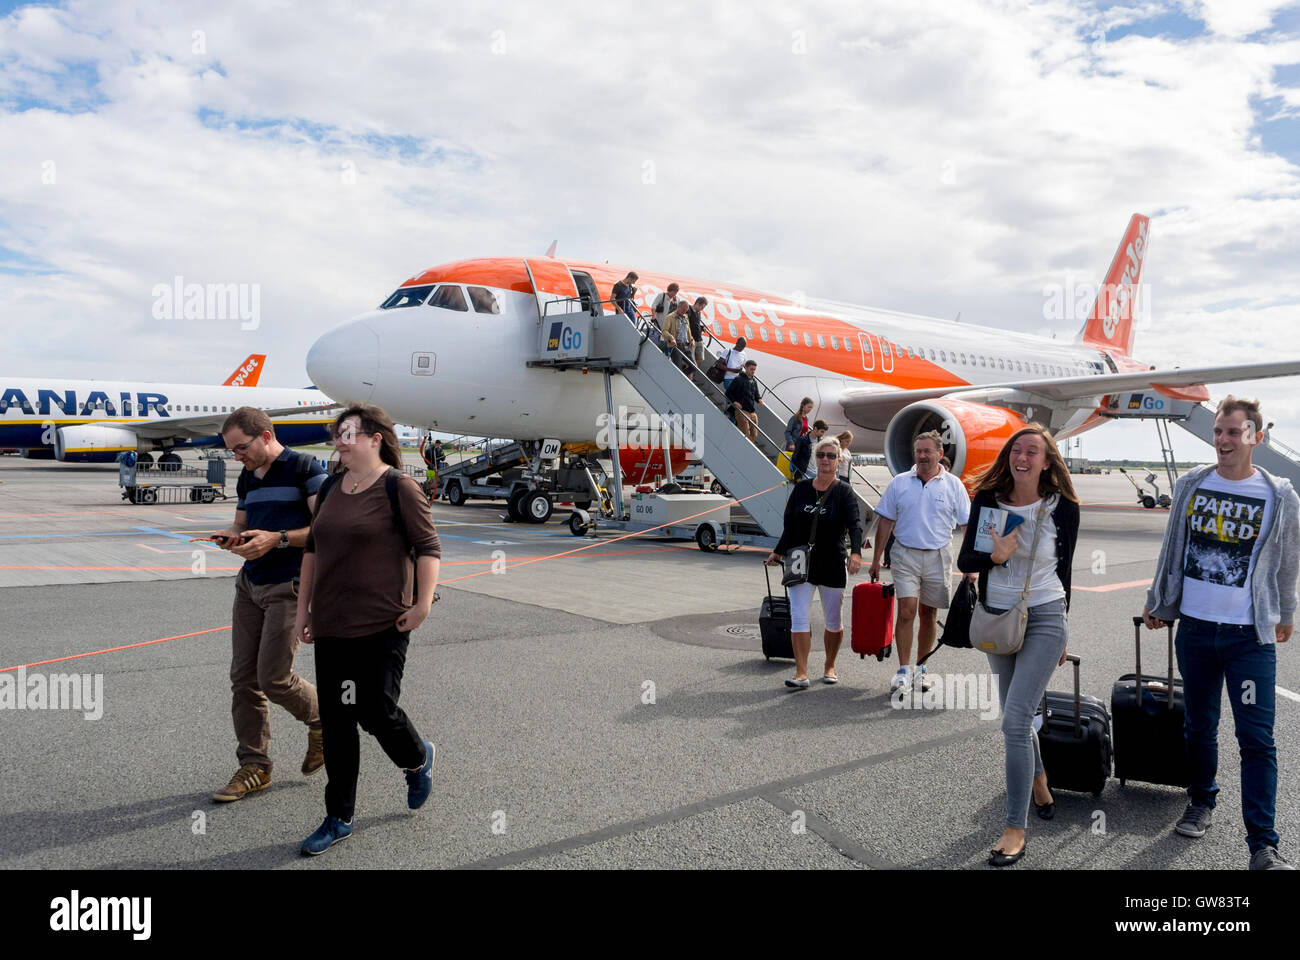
449,297
406,297
485,301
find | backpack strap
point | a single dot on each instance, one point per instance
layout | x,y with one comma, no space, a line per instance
391,479
302,467
325,488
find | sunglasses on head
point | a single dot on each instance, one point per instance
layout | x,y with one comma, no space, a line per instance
828,456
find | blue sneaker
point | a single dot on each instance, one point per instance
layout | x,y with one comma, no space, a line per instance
330,832
419,783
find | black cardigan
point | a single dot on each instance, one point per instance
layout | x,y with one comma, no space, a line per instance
1066,518
839,515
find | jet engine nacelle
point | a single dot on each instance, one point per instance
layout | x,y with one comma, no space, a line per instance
973,433
92,443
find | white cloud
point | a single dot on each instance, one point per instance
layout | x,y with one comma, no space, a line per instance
1237,18
920,156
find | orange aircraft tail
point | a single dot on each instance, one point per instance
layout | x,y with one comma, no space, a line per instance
1111,324
247,373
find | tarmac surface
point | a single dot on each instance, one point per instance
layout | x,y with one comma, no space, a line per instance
608,708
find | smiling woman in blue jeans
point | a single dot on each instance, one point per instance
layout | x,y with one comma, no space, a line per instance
1030,480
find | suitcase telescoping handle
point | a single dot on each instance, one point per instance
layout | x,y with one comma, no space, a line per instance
767,573
1078,707
1137,644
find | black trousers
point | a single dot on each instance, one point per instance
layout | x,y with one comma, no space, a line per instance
359,680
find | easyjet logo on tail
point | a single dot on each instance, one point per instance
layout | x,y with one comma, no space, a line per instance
248,372
1111,322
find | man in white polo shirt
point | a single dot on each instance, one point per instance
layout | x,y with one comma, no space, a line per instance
920,507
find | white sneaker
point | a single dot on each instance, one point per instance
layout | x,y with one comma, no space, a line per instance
926,683
902,681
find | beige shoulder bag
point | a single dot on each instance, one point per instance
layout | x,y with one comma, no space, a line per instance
1004,633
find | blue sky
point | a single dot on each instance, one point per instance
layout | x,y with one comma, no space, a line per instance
918,155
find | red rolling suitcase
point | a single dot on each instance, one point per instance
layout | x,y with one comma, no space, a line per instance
873,619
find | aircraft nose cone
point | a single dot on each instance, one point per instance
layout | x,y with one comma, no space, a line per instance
344,362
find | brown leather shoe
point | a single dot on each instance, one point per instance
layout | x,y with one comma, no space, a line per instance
247,779
315,758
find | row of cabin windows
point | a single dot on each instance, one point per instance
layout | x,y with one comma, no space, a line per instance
127,407
449,296
1078,367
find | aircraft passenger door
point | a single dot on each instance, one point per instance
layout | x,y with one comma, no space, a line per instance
552,282
886,356
868,354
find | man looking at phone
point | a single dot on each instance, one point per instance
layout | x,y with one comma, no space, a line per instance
277,493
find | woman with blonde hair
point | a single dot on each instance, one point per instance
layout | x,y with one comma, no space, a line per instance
834,508
1029,480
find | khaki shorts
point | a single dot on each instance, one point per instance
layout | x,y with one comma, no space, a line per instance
923,573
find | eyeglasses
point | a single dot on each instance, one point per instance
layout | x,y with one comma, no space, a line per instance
828,456
242,448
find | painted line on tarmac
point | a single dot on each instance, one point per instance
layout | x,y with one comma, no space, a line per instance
1288,694
63,536
1108,587
165,533
129,646
761,791
134,568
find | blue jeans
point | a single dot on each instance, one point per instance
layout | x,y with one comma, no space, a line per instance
1022,680
1209,653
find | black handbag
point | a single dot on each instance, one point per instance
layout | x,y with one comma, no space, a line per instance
956,629
797,559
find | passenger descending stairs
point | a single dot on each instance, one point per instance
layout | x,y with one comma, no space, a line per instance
744,469
748,471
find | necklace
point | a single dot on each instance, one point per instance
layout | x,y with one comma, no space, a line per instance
357,483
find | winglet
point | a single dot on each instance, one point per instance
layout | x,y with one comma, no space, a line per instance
247,373
1111,322
550,251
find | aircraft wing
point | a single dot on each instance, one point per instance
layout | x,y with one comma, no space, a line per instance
874,408
207,425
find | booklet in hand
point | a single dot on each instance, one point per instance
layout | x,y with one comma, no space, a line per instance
991,519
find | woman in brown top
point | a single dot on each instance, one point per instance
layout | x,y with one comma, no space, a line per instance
356,604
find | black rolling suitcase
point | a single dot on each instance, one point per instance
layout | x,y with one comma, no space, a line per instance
1075,740
1148,715
774,623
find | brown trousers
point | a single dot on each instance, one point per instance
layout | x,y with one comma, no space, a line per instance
261,666
748,423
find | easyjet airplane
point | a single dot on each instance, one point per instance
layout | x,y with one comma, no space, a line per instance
448,350
92,421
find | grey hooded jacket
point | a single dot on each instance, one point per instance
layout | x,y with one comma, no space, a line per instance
1277,564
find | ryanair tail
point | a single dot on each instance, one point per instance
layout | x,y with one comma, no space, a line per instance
1111,324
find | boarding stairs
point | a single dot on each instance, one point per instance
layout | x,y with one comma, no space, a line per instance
1198,420
614,343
